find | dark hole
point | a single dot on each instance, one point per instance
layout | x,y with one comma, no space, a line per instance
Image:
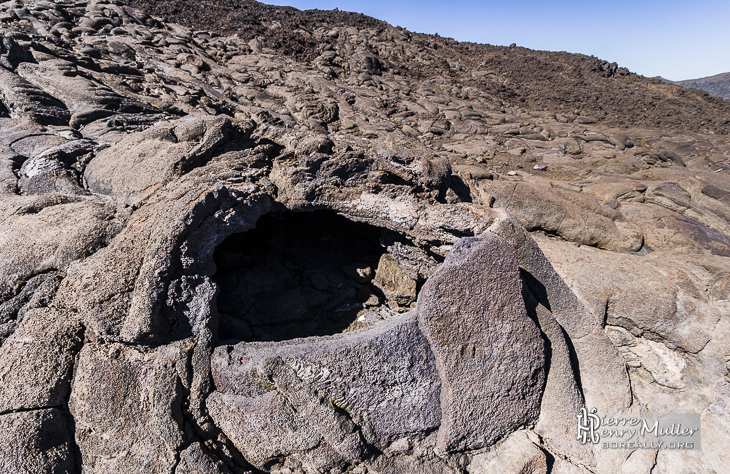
297,275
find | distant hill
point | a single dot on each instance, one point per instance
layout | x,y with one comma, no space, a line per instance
718,85
535,80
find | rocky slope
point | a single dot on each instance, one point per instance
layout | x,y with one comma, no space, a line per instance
717,85
347,249
538,80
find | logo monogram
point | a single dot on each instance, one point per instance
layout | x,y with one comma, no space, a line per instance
588,424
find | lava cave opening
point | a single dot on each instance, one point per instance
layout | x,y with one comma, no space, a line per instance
299,274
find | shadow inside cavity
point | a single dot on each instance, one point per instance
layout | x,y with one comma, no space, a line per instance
296,275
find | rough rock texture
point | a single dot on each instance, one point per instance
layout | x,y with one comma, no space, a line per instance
141,432
489,354
37,441
516,455
540,80
381,385
717,85
313,242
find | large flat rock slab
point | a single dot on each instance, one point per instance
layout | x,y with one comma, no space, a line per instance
489,353
381,379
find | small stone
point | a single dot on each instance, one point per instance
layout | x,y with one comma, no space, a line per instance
540,167
400,446
512,173
395,285
373,300
359,273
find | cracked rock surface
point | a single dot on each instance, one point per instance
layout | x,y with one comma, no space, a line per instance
313,242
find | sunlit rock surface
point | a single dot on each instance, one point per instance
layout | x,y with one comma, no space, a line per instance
344,247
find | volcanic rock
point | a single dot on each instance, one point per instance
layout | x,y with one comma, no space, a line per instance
242,238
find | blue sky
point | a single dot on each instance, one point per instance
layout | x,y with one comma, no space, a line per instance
673,39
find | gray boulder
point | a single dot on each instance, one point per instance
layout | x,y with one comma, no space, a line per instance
489,354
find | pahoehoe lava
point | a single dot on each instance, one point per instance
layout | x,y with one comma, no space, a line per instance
241,238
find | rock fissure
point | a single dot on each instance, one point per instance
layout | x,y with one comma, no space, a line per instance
25,410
